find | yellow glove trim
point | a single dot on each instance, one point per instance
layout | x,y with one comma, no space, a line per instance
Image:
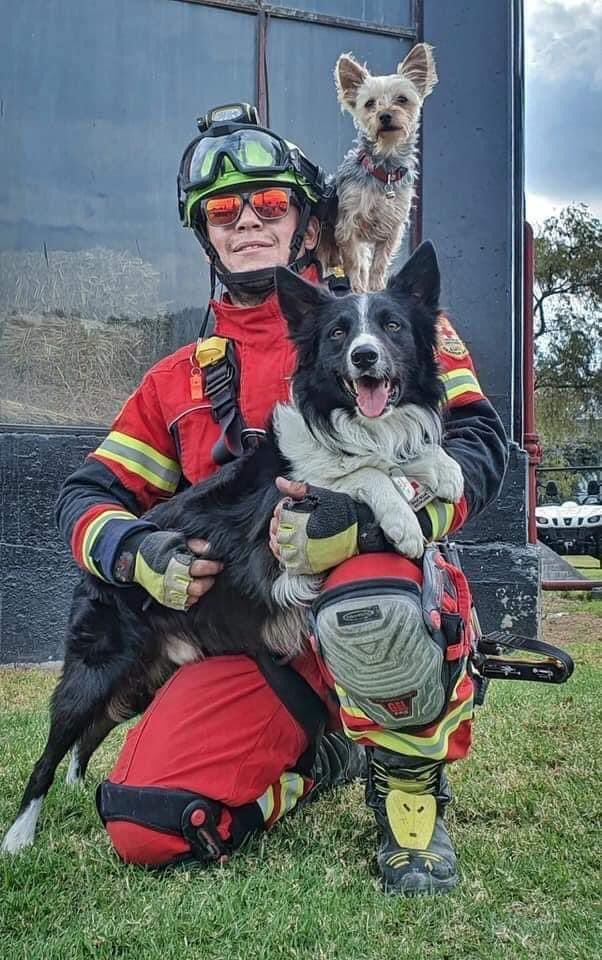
168,588
328,552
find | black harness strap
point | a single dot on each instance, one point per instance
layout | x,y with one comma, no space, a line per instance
217,361
301,701
221,381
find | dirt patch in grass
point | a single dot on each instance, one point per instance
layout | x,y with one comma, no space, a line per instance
571,620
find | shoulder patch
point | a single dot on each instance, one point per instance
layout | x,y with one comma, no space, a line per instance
448,341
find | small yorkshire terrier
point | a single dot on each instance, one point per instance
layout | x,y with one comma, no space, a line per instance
375,182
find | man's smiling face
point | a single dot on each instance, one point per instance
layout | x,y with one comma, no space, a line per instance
254,244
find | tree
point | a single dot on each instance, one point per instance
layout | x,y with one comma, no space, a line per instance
568,267
568,326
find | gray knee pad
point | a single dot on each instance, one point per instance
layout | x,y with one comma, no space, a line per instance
383,650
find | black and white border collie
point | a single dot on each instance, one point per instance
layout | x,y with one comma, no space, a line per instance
365,409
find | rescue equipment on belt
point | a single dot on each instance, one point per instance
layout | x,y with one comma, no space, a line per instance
488,662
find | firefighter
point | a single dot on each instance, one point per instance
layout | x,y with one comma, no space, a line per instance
226,748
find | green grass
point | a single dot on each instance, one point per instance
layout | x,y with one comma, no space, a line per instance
588,566
582,602
525,821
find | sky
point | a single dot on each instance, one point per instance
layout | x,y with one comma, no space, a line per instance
563,107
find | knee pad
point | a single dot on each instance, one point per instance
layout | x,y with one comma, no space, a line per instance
157,826
383,631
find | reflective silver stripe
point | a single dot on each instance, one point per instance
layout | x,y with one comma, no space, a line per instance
141,462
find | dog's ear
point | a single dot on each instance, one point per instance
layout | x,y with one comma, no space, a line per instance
419,277
419,68
348,77
299,301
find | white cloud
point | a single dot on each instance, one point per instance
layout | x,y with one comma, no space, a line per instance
539,207
563,67
564,41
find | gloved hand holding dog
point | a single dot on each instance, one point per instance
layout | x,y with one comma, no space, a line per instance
166,565
314,529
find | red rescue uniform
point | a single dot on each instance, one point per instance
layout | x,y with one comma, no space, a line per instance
217,728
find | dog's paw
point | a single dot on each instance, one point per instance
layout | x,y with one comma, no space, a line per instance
439,472
449,483
22,832
410,545
403,531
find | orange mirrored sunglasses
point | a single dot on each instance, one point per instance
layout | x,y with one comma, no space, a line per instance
269,203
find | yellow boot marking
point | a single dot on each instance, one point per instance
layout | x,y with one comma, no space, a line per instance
412,818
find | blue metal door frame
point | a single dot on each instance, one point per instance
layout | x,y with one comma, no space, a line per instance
470,204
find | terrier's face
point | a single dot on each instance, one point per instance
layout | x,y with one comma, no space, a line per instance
387,109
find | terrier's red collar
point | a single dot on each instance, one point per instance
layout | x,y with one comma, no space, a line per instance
385,176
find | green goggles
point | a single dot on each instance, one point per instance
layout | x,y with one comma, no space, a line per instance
253,152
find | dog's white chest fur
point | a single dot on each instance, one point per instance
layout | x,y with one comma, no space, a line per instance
326,457
360,457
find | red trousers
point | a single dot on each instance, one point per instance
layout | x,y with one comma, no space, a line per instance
216,728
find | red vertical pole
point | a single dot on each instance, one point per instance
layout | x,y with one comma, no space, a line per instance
530,437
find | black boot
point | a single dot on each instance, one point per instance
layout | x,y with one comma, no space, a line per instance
408,796
338,761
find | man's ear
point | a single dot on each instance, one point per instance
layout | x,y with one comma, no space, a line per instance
348,77
312,233
419,277
299,301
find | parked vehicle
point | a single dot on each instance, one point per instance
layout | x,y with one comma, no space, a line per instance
574,526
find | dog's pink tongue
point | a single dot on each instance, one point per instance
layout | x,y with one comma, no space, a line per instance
372,396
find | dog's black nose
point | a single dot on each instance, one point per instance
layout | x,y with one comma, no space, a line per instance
364,357
385,119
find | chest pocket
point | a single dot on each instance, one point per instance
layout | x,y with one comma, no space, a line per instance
195,433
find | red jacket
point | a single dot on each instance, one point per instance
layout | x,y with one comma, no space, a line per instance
162,438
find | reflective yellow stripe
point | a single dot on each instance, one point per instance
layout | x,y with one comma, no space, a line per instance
441,515
348,704
435,747
92,533
141,459
291,786
291,789
460,381
266,803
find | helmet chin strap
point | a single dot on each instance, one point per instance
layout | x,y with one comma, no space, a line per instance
257,283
